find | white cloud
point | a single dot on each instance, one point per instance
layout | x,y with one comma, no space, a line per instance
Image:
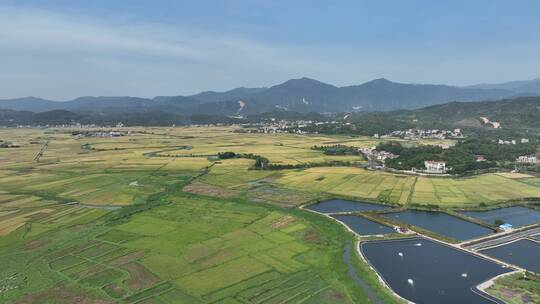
58,45
61,56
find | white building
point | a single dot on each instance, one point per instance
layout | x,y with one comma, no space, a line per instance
527,159
435,166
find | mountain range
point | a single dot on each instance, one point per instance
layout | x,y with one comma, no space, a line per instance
520,86
521,113
303,95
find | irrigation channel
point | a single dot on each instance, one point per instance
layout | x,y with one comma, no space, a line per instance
421,269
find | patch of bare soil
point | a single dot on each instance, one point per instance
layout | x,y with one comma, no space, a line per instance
279,196
57,254
283,222
60,295
331,296
139,277
130,257
87,272
35,244
114,291
210,190
508,293
311,236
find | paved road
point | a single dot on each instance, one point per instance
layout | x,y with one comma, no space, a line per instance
503,239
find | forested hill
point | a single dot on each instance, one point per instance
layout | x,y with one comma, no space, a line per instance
512,114
518,113
508,116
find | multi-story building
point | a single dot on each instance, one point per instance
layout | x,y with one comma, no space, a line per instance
435,166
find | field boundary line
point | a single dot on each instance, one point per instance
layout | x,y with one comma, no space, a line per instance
411,192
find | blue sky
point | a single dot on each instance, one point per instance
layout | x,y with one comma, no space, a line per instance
61,49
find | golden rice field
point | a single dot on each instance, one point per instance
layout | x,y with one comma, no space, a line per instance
122,170
472,191
353,182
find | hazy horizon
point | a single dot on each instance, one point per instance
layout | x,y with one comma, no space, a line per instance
261,87
59,49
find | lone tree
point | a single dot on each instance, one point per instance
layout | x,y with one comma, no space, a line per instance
498,222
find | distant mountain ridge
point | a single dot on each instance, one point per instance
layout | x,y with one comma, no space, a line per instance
520,86
302,95
522,113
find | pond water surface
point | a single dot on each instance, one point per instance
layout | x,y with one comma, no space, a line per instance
362,225
523,253
424,271
441,223
517,216
338,205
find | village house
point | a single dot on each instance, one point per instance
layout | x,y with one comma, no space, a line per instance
373,154
480,158
435,166
527,159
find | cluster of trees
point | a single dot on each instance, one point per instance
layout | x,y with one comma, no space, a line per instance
147,118
459,158
497,152
333,163
261,162
6,144
337,150
361,123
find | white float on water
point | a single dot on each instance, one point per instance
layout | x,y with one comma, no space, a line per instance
464,275
400,254
410,281
418,244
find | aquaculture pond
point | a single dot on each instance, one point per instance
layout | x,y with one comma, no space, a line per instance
517,216
338,205
424,271
441,223
522,253
362,225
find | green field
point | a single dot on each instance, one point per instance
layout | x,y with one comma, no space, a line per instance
145,219
463,192
189,250
111,223
517,289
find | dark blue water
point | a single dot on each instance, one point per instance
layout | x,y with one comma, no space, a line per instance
517,216
362,225
338,205
437,271
523,253
441,223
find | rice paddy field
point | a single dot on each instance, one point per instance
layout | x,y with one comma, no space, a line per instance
151,217
464,192
352,182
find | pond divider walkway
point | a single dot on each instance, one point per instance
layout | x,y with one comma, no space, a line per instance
502,238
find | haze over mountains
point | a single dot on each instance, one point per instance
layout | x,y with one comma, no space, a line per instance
520,86
302,95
